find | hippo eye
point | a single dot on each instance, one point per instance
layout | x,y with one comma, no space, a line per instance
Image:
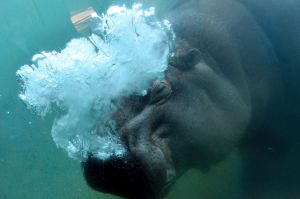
160,92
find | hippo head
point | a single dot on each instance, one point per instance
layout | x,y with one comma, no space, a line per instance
172,128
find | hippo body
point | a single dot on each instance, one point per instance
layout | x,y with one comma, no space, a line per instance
232,83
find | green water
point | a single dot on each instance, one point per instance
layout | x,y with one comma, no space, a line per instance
31,166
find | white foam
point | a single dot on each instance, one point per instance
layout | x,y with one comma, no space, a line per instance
127,50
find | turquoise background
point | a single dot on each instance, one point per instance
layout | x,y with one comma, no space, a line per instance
31,166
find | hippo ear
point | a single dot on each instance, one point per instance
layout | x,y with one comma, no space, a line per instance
188,60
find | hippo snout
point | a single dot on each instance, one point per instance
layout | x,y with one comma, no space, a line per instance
143,172
117,175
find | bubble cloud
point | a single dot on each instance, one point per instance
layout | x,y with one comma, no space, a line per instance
126,51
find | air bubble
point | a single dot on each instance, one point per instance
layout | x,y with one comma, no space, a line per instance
119,58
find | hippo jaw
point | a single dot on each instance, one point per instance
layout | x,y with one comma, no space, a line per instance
119,176
142,173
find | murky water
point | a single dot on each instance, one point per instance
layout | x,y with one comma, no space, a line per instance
31,165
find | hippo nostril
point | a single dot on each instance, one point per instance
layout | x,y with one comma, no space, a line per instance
160,92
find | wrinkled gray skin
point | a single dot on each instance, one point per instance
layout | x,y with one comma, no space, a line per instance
220,87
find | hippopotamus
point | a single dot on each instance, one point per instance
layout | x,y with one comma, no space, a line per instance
232,83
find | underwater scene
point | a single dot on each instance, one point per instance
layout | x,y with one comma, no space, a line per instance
149,99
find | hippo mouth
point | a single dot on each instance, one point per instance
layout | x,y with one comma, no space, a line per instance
144,171
128,177
116,175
